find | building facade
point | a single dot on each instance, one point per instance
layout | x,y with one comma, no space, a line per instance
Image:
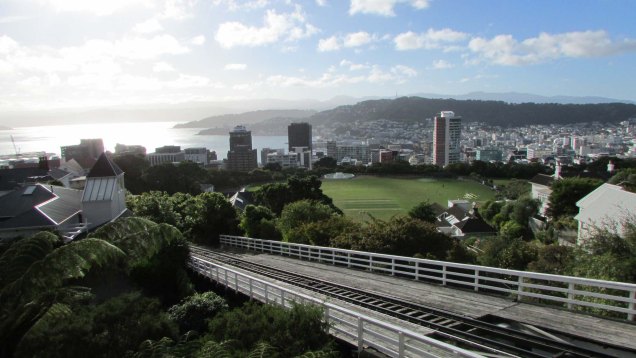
447,129
299,135
241,156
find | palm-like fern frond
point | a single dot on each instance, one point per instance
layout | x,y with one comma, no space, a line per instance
319,354
212,349
139,238
262,350
23,253
71,261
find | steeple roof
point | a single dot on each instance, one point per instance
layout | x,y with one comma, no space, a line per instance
104,167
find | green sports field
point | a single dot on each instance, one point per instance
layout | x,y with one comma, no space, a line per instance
385,197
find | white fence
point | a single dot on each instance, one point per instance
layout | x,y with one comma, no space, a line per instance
349,325
602,297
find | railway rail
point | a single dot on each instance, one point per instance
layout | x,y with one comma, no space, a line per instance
510,338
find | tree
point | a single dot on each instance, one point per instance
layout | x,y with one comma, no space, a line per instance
134,166
566,192
322,232
276,195
626,178
301,212
185,177
259,222
40,291
193,312
424,211
553,259
515,189
523,209
156,206
326,162
218,217
401,235
508,253
291,332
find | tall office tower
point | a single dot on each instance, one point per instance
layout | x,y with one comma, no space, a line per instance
241,156
447,129
299,135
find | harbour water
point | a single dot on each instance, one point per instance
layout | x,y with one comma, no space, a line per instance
149,134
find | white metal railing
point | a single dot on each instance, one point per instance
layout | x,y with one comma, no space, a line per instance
575,293
344,323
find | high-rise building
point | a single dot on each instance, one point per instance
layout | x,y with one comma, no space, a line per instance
86,153
299,135
447,129
241,156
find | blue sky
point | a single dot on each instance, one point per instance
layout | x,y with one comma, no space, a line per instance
91,53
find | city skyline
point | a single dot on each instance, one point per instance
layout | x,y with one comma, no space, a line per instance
68,54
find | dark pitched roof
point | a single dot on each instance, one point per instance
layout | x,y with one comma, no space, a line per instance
104,167
12,178
23,199
475,225
37,206
64,206
57,173
542,179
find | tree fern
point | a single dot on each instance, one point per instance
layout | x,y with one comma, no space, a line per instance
319,354
71,261
23,253
262,350
212,349
139,238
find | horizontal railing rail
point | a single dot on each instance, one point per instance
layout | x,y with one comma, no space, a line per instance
344,323
575,293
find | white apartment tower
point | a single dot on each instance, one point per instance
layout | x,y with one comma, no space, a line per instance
447,130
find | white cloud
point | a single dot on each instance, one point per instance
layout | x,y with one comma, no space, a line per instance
382,7
12,19
506,50
97,7
329,44
431,39
148,27
353,66
163,67
405,71
177,9
321,2
7,44
357,39
236,5
198,40
442,65
351,40
235,66
276,27
332,78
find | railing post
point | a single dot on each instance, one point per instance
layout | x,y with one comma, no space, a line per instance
370,263
348,259
476,280
327,315
400,344
333,257
417,270
251,294
282,298
444,275
392,267
520,288
266,296
632,307
360,334
570,295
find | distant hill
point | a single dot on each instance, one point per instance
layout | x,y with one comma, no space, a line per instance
410,109
517,97
231,120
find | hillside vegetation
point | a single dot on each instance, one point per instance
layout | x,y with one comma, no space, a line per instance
411,109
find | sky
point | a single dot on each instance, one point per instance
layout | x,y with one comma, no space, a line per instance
60,54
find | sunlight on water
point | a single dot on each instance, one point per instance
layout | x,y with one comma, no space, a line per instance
150,134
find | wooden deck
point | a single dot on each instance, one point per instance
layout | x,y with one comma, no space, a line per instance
468,303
